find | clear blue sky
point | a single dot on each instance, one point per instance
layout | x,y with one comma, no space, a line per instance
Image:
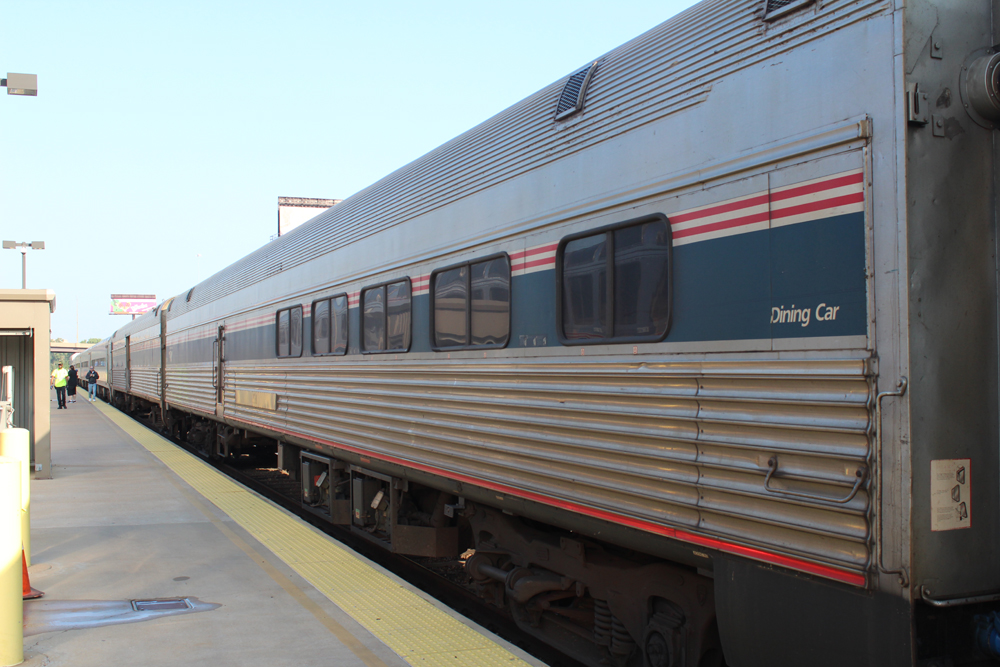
164,132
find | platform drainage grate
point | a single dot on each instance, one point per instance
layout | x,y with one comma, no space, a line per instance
171,604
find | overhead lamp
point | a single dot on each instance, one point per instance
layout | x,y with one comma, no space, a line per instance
23,247
21,84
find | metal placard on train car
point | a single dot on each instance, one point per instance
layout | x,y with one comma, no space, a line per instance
951,497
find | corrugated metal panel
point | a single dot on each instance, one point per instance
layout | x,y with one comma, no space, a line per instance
685,444
144,360
671,67
119,365
190,386
19,352
145,382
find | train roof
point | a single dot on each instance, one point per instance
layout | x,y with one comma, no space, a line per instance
103,344
665,70
146,320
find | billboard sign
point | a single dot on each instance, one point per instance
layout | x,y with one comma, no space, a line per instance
132,304
293,211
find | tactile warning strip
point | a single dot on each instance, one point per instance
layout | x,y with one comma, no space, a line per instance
415,629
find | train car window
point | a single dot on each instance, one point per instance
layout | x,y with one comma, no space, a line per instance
471,304
398,316
321,326
385,317
642,279
373,319
289,338
451,304
330,326
283,347
614,283
585,293
490,305
338,344
295,332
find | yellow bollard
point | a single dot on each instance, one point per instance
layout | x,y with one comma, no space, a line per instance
11,577
15,443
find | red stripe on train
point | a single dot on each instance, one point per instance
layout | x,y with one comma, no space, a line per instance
855,198
546,261
723,224
534,251
840,182
721,208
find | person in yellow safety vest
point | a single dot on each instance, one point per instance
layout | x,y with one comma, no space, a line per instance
59,376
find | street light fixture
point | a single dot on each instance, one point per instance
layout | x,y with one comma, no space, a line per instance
23,247
20,84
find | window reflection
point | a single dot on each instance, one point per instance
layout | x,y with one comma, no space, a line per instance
450,305
295,332
640,305
490,302
641,279
321,327
398,323
472,304
585,292
373,319
283,333
339,328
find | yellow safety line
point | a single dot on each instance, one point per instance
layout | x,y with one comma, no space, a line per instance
415,629
339,631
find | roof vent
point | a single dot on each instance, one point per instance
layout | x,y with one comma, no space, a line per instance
777,8
190,292
573,94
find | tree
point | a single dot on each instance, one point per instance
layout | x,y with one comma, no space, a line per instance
56,358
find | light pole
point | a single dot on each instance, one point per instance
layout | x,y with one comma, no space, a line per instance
22,84
23,247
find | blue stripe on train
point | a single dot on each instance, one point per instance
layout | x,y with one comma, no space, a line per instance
809,278
819,267
802,280
798,281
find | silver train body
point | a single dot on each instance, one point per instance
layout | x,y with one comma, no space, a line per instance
95,358
792,423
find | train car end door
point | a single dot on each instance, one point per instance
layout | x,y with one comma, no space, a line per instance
218,361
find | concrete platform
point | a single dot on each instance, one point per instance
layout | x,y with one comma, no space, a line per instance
116,524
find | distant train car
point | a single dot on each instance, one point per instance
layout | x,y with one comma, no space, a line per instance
136,359
695,349
95,357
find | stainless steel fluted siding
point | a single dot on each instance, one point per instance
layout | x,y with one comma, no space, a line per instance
119,378
145,382
685,444
190,386
670,67
145,359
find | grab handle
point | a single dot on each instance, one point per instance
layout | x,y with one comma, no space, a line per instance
772,469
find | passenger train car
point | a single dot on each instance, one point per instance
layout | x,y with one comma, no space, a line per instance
95,357
693,353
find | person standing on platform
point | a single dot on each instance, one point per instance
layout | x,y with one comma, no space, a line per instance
59,379
91,377
72,380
